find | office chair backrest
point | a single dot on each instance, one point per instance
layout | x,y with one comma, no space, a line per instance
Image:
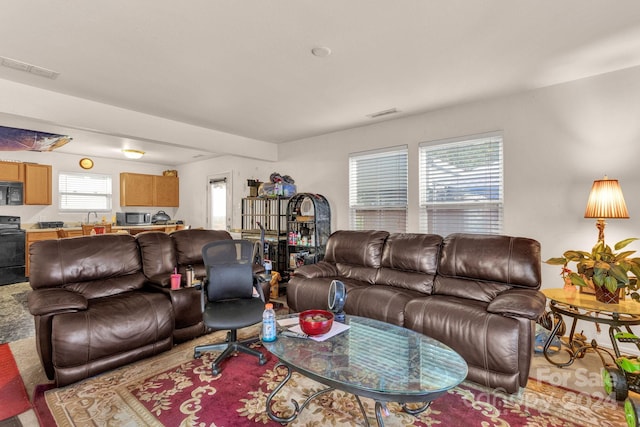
229,269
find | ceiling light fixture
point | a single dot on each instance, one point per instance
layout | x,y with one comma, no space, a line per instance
133,154
321,51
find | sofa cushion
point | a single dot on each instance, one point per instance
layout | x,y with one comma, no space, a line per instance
111,326
409,261
158,256
189,243
313,293
94,266
384,303
480,267
357,248
110,333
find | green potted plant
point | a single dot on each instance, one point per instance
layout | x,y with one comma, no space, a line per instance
603,269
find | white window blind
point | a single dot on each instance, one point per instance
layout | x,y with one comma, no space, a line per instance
461,186
378,190
84,191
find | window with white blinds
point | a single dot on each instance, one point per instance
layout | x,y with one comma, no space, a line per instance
84,191
378,190
461,186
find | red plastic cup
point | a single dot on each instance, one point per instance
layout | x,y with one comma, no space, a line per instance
175,281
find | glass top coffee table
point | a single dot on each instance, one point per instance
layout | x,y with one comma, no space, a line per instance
373,359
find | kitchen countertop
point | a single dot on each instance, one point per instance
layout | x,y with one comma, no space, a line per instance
33,228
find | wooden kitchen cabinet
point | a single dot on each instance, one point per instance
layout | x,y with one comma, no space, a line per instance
34,237
166,191
148,190
136,189
12,171
37,184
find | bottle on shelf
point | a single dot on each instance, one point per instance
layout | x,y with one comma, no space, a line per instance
268,323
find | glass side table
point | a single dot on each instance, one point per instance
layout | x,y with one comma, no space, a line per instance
583,306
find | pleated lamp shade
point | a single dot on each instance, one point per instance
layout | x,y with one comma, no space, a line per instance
606,200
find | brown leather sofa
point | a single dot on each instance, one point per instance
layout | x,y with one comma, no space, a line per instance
477,294
92,308
103,301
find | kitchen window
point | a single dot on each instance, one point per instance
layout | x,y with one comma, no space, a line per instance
378,183
84,192
461,185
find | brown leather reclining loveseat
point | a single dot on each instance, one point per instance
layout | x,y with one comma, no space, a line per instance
103,301
476,293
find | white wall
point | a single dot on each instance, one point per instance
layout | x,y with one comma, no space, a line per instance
194,183
31,214
556,142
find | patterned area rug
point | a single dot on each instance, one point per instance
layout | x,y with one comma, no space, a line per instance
13,395
175,389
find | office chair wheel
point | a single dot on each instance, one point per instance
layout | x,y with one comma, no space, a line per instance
196,354
262,360
215,370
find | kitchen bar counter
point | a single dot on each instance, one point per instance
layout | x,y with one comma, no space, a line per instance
35,229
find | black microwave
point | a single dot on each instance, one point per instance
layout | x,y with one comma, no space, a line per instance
11,193
133,218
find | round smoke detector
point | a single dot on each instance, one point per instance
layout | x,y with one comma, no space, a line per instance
321,52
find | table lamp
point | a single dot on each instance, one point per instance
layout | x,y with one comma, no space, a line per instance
605,201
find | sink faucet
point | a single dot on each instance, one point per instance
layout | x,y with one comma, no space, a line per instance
95,214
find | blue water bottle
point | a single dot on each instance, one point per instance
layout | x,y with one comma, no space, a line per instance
268,323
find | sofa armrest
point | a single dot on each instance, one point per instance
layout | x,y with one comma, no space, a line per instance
54,301
527,303
162,280
320,269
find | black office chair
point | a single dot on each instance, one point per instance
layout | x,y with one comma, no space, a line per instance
228,301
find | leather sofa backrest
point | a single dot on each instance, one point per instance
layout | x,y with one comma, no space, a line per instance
158,255
189,243
480,267
188,246
362,248
356,254
94,266
410,261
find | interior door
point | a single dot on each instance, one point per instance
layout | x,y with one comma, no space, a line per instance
220,212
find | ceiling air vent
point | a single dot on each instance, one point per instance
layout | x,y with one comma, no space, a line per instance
28,68
383,113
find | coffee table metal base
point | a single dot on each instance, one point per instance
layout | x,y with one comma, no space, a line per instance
379,407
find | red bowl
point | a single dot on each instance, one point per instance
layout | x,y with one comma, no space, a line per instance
315,322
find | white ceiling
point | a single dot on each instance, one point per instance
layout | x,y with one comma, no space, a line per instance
245,68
